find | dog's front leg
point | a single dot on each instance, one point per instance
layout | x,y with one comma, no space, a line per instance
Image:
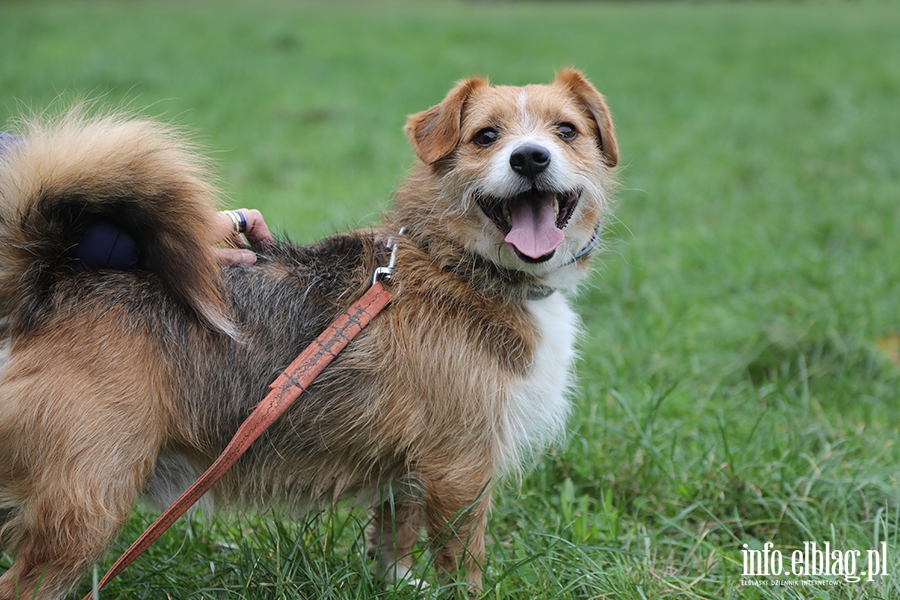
396,527
457,503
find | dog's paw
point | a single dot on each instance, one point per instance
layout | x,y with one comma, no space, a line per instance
398,573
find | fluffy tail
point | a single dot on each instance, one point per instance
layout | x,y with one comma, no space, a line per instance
69,172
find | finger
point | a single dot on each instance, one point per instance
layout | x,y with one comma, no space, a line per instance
234,256
257,231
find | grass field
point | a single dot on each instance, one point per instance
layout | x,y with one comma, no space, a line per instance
741,363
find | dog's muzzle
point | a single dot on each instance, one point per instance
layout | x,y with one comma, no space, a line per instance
532,221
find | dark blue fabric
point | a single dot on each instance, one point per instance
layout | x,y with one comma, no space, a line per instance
6,140
103,245
106,246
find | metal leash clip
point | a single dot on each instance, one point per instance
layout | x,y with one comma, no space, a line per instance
386,272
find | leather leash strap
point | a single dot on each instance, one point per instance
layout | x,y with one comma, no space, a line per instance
283,391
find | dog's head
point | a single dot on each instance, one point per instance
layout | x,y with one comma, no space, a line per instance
526,170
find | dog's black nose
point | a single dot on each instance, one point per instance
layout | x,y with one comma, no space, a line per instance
529,160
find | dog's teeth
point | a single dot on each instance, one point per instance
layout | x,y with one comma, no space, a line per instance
506,214
555,207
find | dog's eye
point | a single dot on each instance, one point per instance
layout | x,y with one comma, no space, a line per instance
486,137
566,131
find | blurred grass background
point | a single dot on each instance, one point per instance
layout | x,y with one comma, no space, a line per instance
740,370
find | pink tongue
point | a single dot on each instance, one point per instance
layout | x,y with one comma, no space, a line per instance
534,232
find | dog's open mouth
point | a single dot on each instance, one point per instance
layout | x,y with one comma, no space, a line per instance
532,221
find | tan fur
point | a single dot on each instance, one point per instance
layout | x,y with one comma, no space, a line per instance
116,384
73,462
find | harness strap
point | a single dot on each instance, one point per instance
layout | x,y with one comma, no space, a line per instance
292,382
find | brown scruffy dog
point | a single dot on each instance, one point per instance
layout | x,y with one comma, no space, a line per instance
122,382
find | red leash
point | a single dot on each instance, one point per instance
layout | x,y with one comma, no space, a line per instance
284,390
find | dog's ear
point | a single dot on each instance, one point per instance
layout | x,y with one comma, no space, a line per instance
593,101
434,133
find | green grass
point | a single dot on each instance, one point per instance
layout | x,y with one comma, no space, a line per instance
739,381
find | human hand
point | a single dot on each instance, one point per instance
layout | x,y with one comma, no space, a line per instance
238,227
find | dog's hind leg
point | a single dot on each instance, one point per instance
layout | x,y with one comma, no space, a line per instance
75,450
68,511
56,544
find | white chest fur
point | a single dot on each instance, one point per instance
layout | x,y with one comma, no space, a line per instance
538,403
